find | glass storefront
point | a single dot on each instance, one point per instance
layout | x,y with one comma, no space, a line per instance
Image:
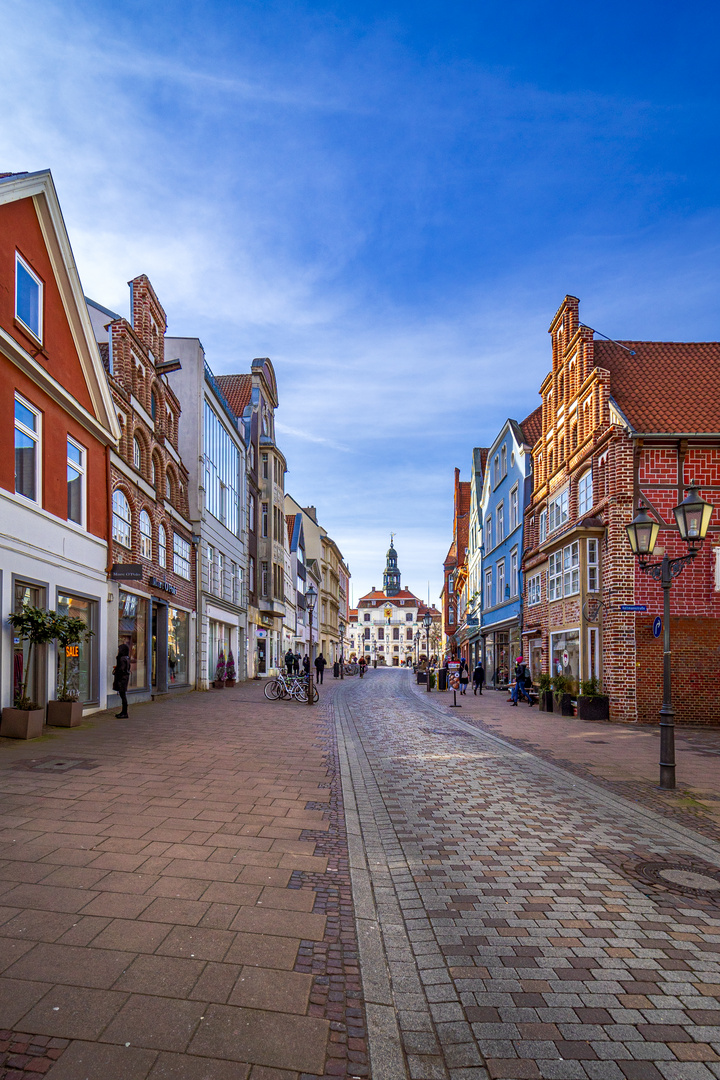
565,654
133,632
178,646
218,639
78,661
34,596
502,649
535,658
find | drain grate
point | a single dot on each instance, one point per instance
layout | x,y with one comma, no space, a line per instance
690,879
56,765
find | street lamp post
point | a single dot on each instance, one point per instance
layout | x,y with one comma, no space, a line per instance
427,623
342,649
693,518
310,598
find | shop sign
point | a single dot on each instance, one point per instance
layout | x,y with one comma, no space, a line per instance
165,586
472,620
262,633
126,572
72,651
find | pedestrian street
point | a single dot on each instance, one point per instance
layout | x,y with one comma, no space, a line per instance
506,927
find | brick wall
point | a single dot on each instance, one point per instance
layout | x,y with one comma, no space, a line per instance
694,665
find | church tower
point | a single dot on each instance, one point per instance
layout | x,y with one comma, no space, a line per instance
391,575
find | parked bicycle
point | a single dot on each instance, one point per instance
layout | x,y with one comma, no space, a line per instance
285,686
350,669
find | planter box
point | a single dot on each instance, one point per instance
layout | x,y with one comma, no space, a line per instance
545,700
22,723
64,713
218,685
594,708
230,682
563,704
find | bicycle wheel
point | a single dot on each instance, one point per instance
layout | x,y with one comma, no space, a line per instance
300,693
315,694
273,689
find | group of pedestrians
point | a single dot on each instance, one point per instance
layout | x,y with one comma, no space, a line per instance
522,679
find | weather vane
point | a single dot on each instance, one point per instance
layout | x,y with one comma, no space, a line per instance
392,537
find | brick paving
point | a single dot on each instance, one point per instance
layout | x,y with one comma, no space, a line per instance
620,757
175,897
506,929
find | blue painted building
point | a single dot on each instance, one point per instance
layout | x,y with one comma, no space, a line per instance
507,487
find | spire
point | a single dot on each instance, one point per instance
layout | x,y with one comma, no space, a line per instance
391,576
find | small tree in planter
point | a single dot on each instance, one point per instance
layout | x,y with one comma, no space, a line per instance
25,720
69,631
563,697
592,705
545,694
219,682
230,674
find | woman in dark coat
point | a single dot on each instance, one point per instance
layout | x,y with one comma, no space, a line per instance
121,678
478,678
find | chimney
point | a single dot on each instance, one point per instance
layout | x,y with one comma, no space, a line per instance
311,512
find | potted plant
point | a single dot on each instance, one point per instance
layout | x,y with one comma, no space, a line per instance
545,694
563,698
70,632
26,718
219,683
591,704
230,674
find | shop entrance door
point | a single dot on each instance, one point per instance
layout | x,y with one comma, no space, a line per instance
159,648
153,647
261,657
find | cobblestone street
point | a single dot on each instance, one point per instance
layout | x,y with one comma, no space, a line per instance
176,901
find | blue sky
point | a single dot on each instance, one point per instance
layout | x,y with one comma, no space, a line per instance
390,200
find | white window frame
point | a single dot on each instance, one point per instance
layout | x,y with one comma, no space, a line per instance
593,565
118,534
29,270
488,533
554,586
593,648
585,493
81,469
137,453
181,556
162,546
534,590
488,589
571,569
558,511
514,574
145,535
500,567
543,526
514,504
36,436
499,523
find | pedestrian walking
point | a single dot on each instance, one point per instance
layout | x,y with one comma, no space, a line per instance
464,676
362,665
306,664
289,661
336,670
320,663
521,674
478,678
121,678
296,663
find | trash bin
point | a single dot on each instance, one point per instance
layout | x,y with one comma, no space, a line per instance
442,678
422,676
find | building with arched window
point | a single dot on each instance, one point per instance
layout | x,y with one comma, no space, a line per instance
151,547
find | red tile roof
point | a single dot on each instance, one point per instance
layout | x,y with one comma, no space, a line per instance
290,522
237,390
376,594
667,386
531,426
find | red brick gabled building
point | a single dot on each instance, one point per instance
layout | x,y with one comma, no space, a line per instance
456,562
620,421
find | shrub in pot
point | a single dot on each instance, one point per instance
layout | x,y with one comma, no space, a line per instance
69,631
26,718
230,673
562,687
545,694
592,705
219,683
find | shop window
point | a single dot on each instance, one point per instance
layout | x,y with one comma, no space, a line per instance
34,596
178,646
181,556
593,568
78,661
76,496
27,450
133,632
121,519
565,654
162,546
28,298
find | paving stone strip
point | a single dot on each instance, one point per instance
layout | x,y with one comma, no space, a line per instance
506,920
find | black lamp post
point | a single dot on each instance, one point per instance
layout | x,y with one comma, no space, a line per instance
427,623
342,649
693,518
310,598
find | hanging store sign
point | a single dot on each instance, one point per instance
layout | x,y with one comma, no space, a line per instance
126,572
